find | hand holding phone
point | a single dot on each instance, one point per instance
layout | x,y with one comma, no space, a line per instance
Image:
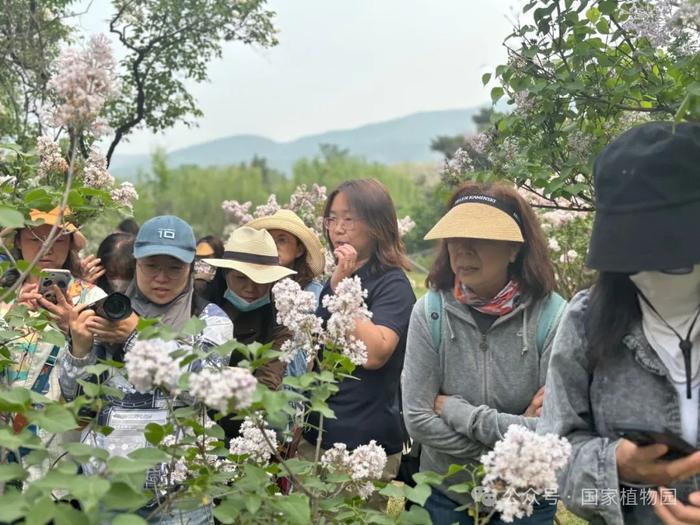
53,277
643,435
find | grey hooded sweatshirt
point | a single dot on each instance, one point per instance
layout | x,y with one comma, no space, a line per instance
629,385
490,377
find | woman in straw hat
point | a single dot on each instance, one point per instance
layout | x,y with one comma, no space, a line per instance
362,229
34,365
626,360
474,364
301,250
250,267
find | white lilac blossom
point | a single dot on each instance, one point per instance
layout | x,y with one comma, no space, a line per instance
221,389
453,169
50,157
554,245
579,143
84,81
524,103
522,463
662,22
480,142
406,225
295,310
346,306
149,365
125,195
568,257
362,465
560,218
252,443
270,208
236,212
95,174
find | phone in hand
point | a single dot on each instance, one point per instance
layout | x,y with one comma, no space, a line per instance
644,435
50,277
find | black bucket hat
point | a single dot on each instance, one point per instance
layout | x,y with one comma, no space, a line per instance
647,185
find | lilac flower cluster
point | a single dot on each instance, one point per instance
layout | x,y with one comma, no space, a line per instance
307,203
662,22
295,310
346,306
125,195
50,157
222,389
522,462
150,365
406,225
95,174
236,212
364,464
252,443
84,81
270,208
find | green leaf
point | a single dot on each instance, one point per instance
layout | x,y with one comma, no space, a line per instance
14,400
154,433
10,218
90,389
11,471
428,477
12,506
496,94
53,418
83,452
149,455
192,327
53,337
129,519
122,497
295,508
40,512
64,514
119,465
227,511
415,516
485,78
252,503
418,494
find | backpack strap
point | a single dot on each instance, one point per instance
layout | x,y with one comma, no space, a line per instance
550,314
433,314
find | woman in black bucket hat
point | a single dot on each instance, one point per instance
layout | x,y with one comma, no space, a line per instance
624,377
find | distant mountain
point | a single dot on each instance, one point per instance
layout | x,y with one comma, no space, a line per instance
405,139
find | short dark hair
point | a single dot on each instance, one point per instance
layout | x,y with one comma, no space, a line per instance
129,226
117,254
372,202
532,267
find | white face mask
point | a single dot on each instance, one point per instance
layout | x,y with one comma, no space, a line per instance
118,285
676,298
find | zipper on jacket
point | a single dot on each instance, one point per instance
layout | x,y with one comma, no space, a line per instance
484,346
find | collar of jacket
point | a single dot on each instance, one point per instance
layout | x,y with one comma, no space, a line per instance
643,352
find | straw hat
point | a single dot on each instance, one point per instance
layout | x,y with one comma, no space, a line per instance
51,218
253,253
290,222
479,217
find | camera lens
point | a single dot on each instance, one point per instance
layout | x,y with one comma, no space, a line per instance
117,307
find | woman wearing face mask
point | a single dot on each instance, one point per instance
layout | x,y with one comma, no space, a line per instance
626,355
362,229
35,361
112,269
479,341
250,267
162,289
301,250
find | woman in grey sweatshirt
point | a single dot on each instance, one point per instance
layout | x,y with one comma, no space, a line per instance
474,364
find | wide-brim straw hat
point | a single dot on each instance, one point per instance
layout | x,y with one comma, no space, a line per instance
253,253
290,222
51,218
478,217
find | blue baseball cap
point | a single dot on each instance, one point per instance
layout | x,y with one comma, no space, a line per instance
166,235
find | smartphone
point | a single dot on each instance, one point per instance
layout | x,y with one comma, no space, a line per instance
50,277
644,435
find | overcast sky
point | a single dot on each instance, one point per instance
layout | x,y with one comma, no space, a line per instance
341,64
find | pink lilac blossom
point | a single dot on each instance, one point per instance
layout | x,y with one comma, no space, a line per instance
346,306
307,203
554,245
364,464
95,174
222,389
84,81
149,365
50,157
236,212
295,310
270,208
252,442
480,142
125,195
568,257
521,463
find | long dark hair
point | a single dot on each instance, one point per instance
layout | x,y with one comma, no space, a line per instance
612,309
532,267
117,254
372,202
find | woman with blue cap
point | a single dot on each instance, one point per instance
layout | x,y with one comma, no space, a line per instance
624,377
